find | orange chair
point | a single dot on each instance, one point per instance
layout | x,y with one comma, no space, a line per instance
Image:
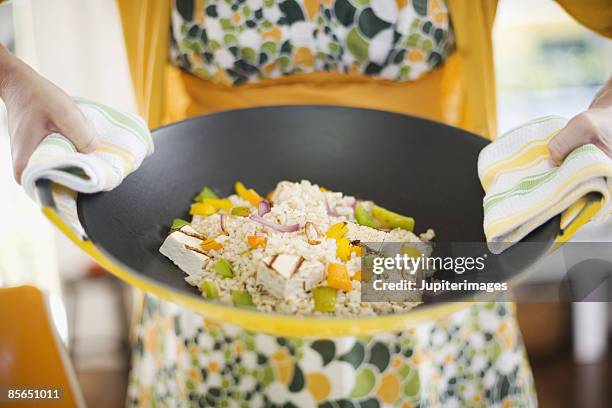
32,355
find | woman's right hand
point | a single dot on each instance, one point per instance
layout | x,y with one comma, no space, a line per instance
593,126
37,108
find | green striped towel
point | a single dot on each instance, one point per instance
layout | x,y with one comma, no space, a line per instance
523,190
124,139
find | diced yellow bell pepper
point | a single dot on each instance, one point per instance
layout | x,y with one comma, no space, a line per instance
255,241
253,198
219,203
337,230
357,276
356,249
343,249
210,244
338,277
249,195
202,209
240,188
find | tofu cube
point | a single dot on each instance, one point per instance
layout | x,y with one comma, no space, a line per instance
286,275
183,248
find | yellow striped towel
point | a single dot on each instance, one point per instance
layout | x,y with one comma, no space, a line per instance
523,190
125,141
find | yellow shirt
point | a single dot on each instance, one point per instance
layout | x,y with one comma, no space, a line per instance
461,93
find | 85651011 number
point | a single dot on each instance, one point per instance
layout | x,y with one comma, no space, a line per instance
30,394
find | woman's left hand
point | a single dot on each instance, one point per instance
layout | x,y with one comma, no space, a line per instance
593,126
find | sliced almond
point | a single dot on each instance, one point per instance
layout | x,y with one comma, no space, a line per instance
313,233
223,223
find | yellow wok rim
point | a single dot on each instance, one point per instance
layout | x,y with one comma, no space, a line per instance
275,324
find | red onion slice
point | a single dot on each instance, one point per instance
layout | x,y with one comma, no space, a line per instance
275,226
222,224
331,212
263,208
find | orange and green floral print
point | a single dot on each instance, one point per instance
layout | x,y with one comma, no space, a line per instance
474,358
237,41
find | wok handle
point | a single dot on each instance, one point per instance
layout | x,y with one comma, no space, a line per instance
63,215
592,205
59,206
71,227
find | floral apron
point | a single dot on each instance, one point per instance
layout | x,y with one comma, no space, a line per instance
237,41
473,358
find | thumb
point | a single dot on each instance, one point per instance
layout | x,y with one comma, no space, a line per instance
566,141
75,126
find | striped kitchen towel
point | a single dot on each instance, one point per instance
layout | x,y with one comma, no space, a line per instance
125,141
523,190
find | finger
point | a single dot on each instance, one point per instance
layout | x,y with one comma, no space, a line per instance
74,126
568,139
24,140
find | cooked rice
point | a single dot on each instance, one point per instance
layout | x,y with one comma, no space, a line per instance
293,203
